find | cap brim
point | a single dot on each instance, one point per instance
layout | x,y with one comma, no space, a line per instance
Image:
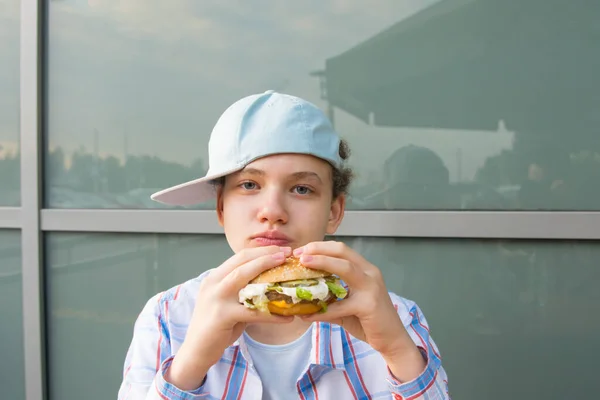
190,193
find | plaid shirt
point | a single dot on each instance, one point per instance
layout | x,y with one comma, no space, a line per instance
341,367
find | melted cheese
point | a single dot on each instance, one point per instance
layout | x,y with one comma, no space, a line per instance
282,304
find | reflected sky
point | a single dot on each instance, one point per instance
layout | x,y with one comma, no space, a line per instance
9,103
151,78
9,76
135,79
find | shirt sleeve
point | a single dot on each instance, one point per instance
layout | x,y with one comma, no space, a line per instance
149,356
432,384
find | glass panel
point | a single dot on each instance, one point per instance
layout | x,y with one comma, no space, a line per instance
513,319
521,312
12,367
443,106
10,159
97,286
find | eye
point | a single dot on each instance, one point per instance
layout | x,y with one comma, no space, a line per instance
248,185
302,190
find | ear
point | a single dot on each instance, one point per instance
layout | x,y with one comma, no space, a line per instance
219,209
336,214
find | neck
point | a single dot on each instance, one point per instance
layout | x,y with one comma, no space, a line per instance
277,334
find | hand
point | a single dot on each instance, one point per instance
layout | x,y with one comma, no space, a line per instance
367,313
219,319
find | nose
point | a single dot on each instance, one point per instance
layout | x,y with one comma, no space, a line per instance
273,209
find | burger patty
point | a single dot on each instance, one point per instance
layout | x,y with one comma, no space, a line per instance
276,296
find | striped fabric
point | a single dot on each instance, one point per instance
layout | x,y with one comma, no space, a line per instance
341,367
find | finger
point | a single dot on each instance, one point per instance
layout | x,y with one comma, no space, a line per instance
336,313
244,314
243,274
243,257
332,249
343,268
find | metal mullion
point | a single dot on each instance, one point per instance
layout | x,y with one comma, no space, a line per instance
425,224
30,121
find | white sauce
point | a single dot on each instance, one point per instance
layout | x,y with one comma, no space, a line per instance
256,292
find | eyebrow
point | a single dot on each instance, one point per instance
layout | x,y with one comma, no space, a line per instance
306,174
296,175
252,171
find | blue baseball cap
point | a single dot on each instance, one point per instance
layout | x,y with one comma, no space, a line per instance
254,127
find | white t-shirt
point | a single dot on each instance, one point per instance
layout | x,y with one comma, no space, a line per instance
280,366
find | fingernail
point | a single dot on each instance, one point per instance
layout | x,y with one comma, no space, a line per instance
286,250
279,256
298,251
306,258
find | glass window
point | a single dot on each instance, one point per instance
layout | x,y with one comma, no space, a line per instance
10,159
443,106
12,367
501,311
97,286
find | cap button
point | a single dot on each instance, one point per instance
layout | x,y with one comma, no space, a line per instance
270,91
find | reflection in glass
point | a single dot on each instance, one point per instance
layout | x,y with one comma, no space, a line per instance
511,112
9,104
133,92
97,286
500,311
12,367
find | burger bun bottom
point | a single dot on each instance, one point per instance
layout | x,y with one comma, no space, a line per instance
296,309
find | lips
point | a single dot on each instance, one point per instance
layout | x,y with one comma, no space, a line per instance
271,238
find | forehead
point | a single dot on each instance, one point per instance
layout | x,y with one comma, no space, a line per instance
286,164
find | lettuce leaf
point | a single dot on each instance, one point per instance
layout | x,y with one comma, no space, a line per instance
300,282
323,307
304,294
337,289
275,288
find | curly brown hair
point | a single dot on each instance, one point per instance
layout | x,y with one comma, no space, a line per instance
342,176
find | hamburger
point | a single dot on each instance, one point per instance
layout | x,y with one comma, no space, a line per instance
292,289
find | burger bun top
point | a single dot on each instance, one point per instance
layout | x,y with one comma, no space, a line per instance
290,270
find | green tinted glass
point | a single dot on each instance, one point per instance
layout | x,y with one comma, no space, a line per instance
12,373
451,104
513,319
519,312
97,286
9,103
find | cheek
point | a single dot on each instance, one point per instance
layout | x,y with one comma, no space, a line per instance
314,218
231,212
238,210
234,226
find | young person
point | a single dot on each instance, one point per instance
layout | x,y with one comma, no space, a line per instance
278,171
